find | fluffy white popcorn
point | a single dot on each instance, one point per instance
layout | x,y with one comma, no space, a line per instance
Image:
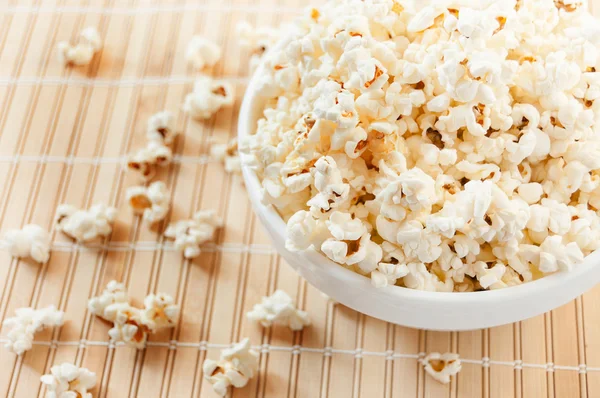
279,308
228,154
27,322
190,234
303,231
30,241
127,325
114,292
146,160
202,52
256,41
69,381
132,325
234,368
208,97
160,311
152,202
458,136
82,53
388,274
161,128
442,366
85,225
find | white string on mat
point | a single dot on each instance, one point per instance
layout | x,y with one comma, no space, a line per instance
99,82
95,160
253,248
325,351
225,8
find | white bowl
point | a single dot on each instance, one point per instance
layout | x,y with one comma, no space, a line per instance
408,307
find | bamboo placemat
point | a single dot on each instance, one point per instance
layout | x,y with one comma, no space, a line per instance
64,134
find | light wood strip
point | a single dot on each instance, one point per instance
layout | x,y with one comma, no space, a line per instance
218,288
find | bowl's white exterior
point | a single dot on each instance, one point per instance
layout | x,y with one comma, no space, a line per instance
408,307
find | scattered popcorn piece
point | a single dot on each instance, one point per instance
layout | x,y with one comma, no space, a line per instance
151,202
160,311
279,308
208,97
30,241
114,292
235,367
127,325
81,54
161,128
146,160
256,40
462,140
190,234
69,381
202,52
27,322
228,154
442,366
85,225
132,325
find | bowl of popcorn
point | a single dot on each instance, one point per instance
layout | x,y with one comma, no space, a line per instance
436,166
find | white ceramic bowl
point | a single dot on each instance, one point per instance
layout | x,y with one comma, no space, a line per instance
408,307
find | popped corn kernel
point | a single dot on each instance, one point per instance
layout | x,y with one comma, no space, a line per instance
146,160
152,202
461,139
69,381
161,128
82,53
208,97
26,322
279,308
85,225
256,41
442,366
30,241
236,366
202,52
133,325
190,234
228,154
114,292
160,311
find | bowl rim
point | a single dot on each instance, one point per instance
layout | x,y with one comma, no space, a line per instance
247,123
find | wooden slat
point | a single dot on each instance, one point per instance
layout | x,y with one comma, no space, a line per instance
342,354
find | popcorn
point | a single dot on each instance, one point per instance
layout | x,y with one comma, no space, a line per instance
235,367
302,230
151,202
228,154
256,40
388,274
113,293
127,325
67,380
279,309
27,322
159,312
190,234
161,128
146,160
81,54
132,325
202,53
208,97
442,366
30,241
85,225
460,139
